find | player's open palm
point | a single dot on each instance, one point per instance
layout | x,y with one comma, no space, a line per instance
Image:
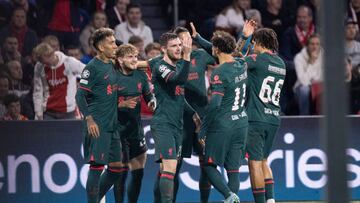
93,128
193,30
187,45
249,28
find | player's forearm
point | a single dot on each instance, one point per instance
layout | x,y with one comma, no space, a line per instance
206,45
180,77
81,102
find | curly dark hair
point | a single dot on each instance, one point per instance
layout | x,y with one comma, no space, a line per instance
267,38
100,34
224,42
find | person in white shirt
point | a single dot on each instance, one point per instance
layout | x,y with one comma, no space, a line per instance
352,47
308,67
133,26
55,87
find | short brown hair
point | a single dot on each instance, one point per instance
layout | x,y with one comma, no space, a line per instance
266,38
224,42
100,34
152,46
135,39
124,49
41,50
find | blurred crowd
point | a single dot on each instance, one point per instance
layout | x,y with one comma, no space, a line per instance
46,44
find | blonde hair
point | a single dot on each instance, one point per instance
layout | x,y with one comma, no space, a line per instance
41,50
124,49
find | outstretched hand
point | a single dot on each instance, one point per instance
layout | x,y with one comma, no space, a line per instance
249,28
193,30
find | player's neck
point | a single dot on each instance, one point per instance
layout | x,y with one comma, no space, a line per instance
225,58
169,61
125,71
103,58
263,50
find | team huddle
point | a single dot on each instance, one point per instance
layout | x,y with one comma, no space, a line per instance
242,115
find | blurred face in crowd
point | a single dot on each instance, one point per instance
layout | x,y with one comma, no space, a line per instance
4,87
244,4
15,70
121,6
75,52
304,18
153,53
108,47
49,59
11,44
54,44
134,16
14,109
355,4
19,18
140,46
129,61
275,4
350,31
100,20
173,49
313,45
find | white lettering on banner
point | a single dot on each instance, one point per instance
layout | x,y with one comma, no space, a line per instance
293,169
12,169
72,179
354,168
2,174
304,167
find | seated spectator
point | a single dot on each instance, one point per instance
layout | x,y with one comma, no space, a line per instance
99,20
354,11
53,41
308,66
152,50
13,108
352,47
352,77
26,37
277,17
138,42
232,18
54,83
4,90
133,26
9,50
32,14
296,37
117,14
15,72
74,51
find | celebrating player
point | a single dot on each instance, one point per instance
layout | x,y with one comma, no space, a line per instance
132,84
96,98
266,77
169,77
225,124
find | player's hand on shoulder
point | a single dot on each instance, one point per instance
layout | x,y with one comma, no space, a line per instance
93,128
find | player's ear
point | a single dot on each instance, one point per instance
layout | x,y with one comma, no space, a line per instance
163,49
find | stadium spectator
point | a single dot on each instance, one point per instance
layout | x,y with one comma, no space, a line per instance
117,14
62,19
4,90
152,50
53,41
9,50
308,66
54,83
352,47
32,14
352,77
27,38
133,26
74,51
13,108
99,20
232,18
138,42
15,73
354,11
276,17
296,37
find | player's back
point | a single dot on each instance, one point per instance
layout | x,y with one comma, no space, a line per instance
230,81
266,73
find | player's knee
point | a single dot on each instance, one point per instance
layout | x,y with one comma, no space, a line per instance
117,164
